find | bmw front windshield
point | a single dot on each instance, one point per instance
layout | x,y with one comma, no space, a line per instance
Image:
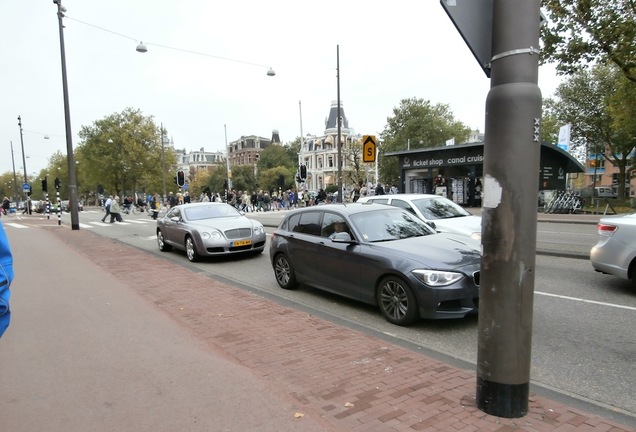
389,224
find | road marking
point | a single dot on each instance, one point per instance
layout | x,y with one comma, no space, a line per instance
568,233
99,223
137,221
85,225
586,301
16,225
151,238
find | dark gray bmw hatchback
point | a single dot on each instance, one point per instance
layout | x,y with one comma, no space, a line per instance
379,255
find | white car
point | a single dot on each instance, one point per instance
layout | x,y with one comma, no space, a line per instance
441,213
615,252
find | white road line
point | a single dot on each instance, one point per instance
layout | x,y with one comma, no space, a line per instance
586,301
151,238
16,225
85,225
101,223
137,221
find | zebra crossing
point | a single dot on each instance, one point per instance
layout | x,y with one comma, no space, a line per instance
83,225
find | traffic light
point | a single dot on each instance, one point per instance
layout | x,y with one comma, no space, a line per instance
180,178
57,183
45,187
303,172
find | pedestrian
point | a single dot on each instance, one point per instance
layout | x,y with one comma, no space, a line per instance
172,199
355,195
115,210
155,203
379,190
6,205
6,277
27,206
107,207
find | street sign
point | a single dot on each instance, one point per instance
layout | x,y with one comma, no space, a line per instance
26,187
368,148
473,20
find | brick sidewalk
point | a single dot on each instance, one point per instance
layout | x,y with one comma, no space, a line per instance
354,381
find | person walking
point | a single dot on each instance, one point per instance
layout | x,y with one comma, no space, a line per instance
107,207
6,277
115,210
6,206
28,206
155,203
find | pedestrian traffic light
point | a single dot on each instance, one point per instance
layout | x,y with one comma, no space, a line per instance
45,187
57,183
303,172
180,178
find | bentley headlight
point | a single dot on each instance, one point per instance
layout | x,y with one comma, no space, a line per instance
259,229
214,235
437,278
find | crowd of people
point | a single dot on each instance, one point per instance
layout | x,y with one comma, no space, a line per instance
246,201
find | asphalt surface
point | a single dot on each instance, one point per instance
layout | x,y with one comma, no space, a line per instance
106,337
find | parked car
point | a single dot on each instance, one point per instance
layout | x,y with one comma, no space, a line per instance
67,208
441,213
615,252
209,229
379,255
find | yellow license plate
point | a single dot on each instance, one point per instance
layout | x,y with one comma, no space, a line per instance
242,243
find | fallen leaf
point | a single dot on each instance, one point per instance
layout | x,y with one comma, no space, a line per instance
349,405
299,415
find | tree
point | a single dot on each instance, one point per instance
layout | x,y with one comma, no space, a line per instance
590,102
583,32
123,153
243,178
416,124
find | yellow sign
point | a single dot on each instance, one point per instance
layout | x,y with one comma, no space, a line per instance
368,148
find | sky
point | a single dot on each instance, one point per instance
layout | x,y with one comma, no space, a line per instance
204,76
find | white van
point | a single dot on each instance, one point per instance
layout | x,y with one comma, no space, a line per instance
605,192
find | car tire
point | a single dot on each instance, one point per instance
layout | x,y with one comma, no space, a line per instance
397,302
284,272
191,250
161,242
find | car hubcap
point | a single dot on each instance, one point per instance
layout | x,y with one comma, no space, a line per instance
190,248
160,240
394,300
282,271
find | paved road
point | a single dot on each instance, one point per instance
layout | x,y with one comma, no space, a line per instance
130,341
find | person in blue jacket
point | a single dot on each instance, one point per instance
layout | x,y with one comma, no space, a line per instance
6,276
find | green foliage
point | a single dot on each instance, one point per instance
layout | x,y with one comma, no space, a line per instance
588,100
274,156
268,179
582,32
123,152
243,178
416,124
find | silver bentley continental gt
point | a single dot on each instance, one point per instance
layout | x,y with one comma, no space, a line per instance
209,229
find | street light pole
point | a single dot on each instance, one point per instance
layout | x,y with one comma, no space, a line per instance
163,163
15,177
339,125
509,219
229,170
73,202
22,144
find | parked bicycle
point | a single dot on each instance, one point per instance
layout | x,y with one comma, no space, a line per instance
564,202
